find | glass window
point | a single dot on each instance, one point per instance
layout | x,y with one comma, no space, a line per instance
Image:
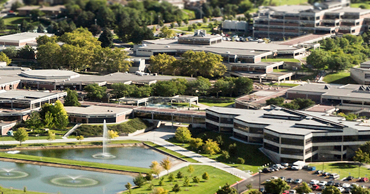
143,115
199,120
271,137
289,141
271,147
212,127
327,139
256,130
227,120
241,127
240,136
255,139
289,151
308,141
226,129
212,118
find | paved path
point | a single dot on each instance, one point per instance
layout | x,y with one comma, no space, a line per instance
158,137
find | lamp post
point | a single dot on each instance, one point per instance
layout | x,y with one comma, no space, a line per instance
95,22
159,19
259,182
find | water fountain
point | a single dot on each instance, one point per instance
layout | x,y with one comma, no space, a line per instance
12,174
74,181
105,154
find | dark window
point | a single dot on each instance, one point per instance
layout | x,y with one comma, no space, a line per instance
162,117
212,118
327,139
143,115
314,148
241,127
308,141
271,138
256,130
292,141
307,151
227,120
290,151
241,137
212,127
226,129
357,138
255,139
271,147
101,120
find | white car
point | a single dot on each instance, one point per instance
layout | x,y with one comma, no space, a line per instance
274,177
346,185
354,184
314,182
322,183
341,189
298,181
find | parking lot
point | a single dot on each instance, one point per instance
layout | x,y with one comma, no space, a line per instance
305,175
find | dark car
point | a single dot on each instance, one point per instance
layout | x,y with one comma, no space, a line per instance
337,184
262,190
266,170
330,183
289,180
350,178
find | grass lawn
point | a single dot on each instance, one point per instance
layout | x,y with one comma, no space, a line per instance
203,27
14,191
8,138
15,20
281,59
251,154
171,152
289,2
339,78
216,179
286,84
184,104
190,14
282,70
74,162
218,104
357,5
343,169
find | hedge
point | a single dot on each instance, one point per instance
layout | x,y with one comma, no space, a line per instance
123,128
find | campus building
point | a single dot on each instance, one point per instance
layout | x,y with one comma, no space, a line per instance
240,58
21,39
329,17
97,114
361,74
48,10
287,135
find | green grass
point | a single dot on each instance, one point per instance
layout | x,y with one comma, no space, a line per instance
280,59
74,162
339,78
357,5
171,152
203,27
15,20
216,179
251,154
289,2
218,104
7,138
190,14
343,169
286,84
282,70
184,104
15,191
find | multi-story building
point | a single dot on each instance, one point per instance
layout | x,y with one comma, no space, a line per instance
287,135
362,74
283,22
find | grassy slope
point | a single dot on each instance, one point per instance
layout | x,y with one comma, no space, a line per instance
281,59
171,152
218,104
14,191
14,20
66,144
356,5
252,156
339,78
343,169
74,162
216,178
289,2
286,84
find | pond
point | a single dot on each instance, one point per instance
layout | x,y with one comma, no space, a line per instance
126,156
60,180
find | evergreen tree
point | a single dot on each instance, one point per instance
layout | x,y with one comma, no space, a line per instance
106,38
71,99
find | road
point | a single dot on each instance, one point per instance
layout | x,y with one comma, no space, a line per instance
158,137
7,7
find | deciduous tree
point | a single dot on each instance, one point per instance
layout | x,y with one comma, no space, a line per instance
196,143
112,134
71,99
226,189
160,63
277,186
211,147
51,136
183,134
166,164
106,38
21,135
303,188
156,168
331,190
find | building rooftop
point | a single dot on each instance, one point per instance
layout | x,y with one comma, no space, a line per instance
291,8
25,94
96,110
22,37
50,74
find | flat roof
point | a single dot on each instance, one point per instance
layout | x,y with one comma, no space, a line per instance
96,110
19,37
291,8
50,74
26,94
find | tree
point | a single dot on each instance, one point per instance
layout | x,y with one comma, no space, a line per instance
110,60
205,176
303,188
139,180
94,91
149,177
240,160
331,190
167,33
49,120
186,182
176,188
11,52
71,99
106,38
166,164
112,134
196,179
226,189
303,103
211,147
219,140
26,52
275,101
165,88
365,147
80,138
183,134
95,29
243,85
160,190
16,5
361,157
60,115
190,169
41,40
196,143
2,24
21,135
155,168
179,175
171,178
160,63
359,190
51,136
277,186
225,155
5,58
48,55
200,86
318,59
292,106
34,122
128,186
255,192
233,149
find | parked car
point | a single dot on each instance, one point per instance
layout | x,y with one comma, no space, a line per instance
298,181
318,172
289,180
334,176
322,187
292,192
354,184
341,189
330,183
266,170
274,177
363,179
285,164
315,187
322,183
337,184
314,182
350,178
282,178
345,185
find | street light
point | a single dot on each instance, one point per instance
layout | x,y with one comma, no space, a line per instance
95,22
259,183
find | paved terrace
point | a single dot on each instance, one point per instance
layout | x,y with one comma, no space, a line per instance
258,98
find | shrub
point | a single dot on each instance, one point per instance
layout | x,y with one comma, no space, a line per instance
205,176
225,155
186,182
179,175
171,178
196,179
240,161
176,188
149,177
161,181
139,180
183,134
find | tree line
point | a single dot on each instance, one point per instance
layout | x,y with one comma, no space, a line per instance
339,53
180,86
298,103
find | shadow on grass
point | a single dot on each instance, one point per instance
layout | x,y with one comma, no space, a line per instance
344,165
